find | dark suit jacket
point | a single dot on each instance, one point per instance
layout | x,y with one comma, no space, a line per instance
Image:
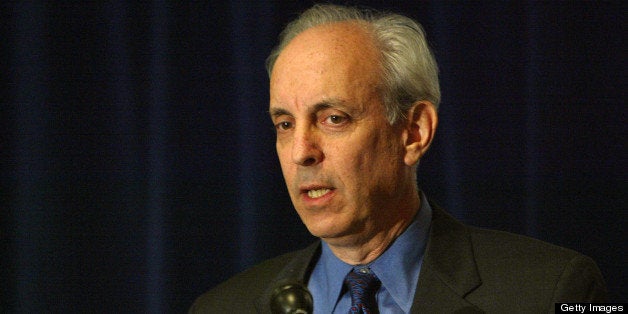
465,270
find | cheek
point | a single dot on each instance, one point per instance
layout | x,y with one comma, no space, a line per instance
283,151
354,166
284,161
286,168
379,159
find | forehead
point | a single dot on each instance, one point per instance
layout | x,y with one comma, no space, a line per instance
338,57
349,40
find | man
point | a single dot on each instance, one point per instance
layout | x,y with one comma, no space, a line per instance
353,97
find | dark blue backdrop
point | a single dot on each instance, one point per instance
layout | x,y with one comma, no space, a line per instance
138,162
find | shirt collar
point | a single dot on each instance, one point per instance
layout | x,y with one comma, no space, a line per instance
335,271
397,268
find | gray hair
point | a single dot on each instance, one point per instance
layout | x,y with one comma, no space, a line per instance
410,72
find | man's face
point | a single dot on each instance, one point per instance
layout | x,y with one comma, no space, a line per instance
341,159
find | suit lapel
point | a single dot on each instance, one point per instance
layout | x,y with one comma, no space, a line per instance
297,270
449,271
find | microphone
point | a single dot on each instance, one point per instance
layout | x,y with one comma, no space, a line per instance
291,298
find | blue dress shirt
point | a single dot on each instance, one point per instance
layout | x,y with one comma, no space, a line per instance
397,268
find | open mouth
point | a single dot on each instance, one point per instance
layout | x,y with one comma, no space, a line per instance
318,192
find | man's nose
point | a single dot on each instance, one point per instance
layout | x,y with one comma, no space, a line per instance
306,149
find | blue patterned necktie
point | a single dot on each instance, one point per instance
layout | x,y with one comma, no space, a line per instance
362,285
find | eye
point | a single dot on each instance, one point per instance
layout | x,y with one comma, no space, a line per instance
283,125
335,119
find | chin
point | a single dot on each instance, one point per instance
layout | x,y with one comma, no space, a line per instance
328,231
322,230
326,222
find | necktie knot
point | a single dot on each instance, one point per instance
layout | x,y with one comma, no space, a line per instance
362,285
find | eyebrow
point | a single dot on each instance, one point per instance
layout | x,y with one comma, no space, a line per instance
335,103
276,112
329,103
322,105
325,104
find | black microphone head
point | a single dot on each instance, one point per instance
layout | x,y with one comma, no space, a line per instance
291,298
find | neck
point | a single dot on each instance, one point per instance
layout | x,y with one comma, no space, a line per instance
361,250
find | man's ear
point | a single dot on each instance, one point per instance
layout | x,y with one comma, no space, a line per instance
421,123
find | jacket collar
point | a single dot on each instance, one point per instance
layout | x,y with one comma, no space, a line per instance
449,271
296,271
